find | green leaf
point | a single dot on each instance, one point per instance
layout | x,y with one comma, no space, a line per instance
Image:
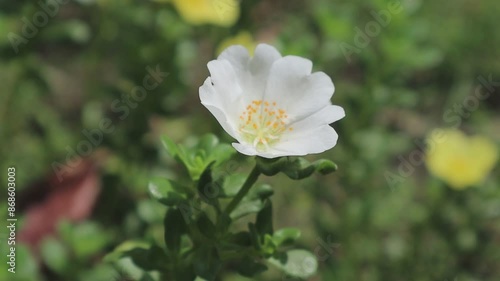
142,254
253,202
181,154
232,184
170,146
246,208
148,259
207,143
127,269
261,192
264,221
30,265
88,238
207,189
147,277
206,226
124,247
175,226
150,211
197,158
55,254
296,263
166,192
249,267
207,263
268,246
254,235
222,153
99,272
240,239
286,236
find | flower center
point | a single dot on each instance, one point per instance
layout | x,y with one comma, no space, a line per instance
262,123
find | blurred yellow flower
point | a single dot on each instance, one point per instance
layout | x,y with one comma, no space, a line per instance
243,38
459,160
218,12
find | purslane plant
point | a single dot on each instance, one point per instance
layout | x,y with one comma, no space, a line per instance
277,110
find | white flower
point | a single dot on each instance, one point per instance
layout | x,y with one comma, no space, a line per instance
272,105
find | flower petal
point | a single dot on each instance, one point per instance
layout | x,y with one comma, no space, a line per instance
311,134
217,106
325,116
251,72
295,89
301,143
245,149
224,80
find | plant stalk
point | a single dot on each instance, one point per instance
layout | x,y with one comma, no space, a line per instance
250,181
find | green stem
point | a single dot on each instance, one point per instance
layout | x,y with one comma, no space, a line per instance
252,178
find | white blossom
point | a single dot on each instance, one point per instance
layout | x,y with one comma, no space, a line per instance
272,105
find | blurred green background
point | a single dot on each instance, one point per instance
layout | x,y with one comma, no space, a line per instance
396,81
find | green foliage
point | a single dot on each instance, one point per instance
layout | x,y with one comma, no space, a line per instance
296,263
199,239
167,192
196,159
55,254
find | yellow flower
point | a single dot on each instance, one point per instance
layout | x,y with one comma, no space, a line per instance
459,160
243,38
218,12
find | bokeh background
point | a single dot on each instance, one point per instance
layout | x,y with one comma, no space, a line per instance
401,69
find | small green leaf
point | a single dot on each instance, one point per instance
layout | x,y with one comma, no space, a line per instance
232,184
31,265
207,263
208,190
147,277
142,254
206,226
264,221
148,259
246,208
166,192
261,192
55,254
286,236
241,239
124,247
88,239
175,227
221,153
249,267
296,263
207,143
268,247
253,202
196,158
170,146
254,236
